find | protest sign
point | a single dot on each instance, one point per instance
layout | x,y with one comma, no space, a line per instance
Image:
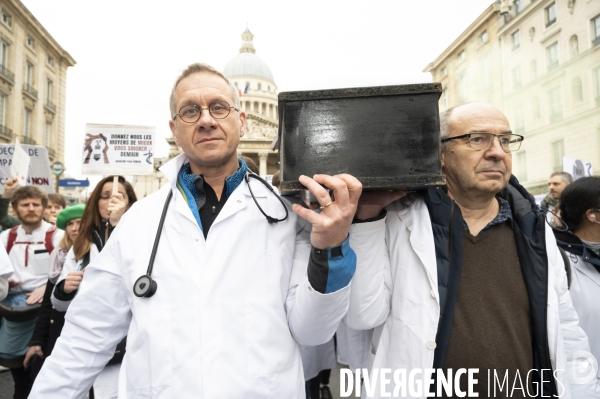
39,174
577,167
118,150
19,167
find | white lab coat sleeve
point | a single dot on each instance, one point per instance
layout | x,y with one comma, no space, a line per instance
313,317
97,320
371,293
6,270
580,371
69,266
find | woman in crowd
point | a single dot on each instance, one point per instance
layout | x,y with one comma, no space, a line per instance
102,213
580,211
50,321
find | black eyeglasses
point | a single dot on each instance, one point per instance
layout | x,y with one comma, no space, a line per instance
484,141
191,113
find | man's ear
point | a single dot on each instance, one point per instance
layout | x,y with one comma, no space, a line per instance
174,131
242,123
591,215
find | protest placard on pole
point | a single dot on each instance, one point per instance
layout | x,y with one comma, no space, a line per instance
19,167
39,173
118,150
577,167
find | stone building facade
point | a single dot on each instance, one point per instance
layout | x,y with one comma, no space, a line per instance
33,80
547,80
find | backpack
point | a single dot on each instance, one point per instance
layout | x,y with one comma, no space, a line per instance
12,240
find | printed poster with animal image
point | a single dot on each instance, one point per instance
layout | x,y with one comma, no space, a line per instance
118,150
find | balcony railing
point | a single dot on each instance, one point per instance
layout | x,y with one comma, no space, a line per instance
596,41
30,91
6,133
28,140
50,106
8,75
51,152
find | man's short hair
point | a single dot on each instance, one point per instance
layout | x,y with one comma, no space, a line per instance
198,68
276,179
58,199
566,176
445,125
28,192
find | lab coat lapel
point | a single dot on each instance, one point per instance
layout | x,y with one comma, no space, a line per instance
417,222
589,270
171,170
236,202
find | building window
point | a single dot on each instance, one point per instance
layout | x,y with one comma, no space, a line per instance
577,90
462,56
558,152
29,74
555,104
516,74
522,166
269,89
535,108
483,37
518,7
259,86
519,119
444,71
50,61
552,56
444,99
550,14
596,31
462,87
533,69
6,18
3,99
30,41
47,134
516,39
49,88
3,54
27,123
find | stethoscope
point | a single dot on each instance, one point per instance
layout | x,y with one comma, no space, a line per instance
145,286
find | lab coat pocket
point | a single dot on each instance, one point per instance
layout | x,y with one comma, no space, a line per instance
40,261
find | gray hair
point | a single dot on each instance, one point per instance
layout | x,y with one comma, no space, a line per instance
567,178
445,125
198,68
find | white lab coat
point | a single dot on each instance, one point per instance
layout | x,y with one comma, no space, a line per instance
585,291
35,274
227,315
395,288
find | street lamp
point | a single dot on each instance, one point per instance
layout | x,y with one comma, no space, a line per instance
159,174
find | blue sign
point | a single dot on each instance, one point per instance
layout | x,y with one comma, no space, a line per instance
73,183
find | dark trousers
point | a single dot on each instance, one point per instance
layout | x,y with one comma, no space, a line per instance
23,383
315,383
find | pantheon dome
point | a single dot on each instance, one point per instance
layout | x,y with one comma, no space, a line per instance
258,97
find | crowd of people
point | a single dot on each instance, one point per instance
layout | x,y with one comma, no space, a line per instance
216,286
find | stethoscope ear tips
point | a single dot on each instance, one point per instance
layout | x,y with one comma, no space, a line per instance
144,287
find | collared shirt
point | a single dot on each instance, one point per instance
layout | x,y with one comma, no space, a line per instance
505,215
201,198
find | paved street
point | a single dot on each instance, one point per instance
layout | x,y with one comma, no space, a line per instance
6,384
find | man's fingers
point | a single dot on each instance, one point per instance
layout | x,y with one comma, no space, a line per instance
339,187
315,188
305,213
354,186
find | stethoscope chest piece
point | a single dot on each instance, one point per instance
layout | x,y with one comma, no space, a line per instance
144,287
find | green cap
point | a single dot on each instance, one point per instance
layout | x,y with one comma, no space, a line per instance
72,212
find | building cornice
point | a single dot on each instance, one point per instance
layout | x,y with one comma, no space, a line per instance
531,8
30,20
487,14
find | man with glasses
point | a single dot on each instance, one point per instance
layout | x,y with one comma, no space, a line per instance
468,276
241,280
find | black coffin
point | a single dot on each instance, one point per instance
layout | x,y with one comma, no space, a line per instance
388,137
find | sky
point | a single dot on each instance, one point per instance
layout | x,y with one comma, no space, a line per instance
129,52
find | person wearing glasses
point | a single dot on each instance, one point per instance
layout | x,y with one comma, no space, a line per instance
467,276
238,278
579,237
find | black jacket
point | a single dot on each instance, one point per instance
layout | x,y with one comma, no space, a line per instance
528,226
49,324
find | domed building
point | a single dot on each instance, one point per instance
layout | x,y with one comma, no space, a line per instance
258,96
